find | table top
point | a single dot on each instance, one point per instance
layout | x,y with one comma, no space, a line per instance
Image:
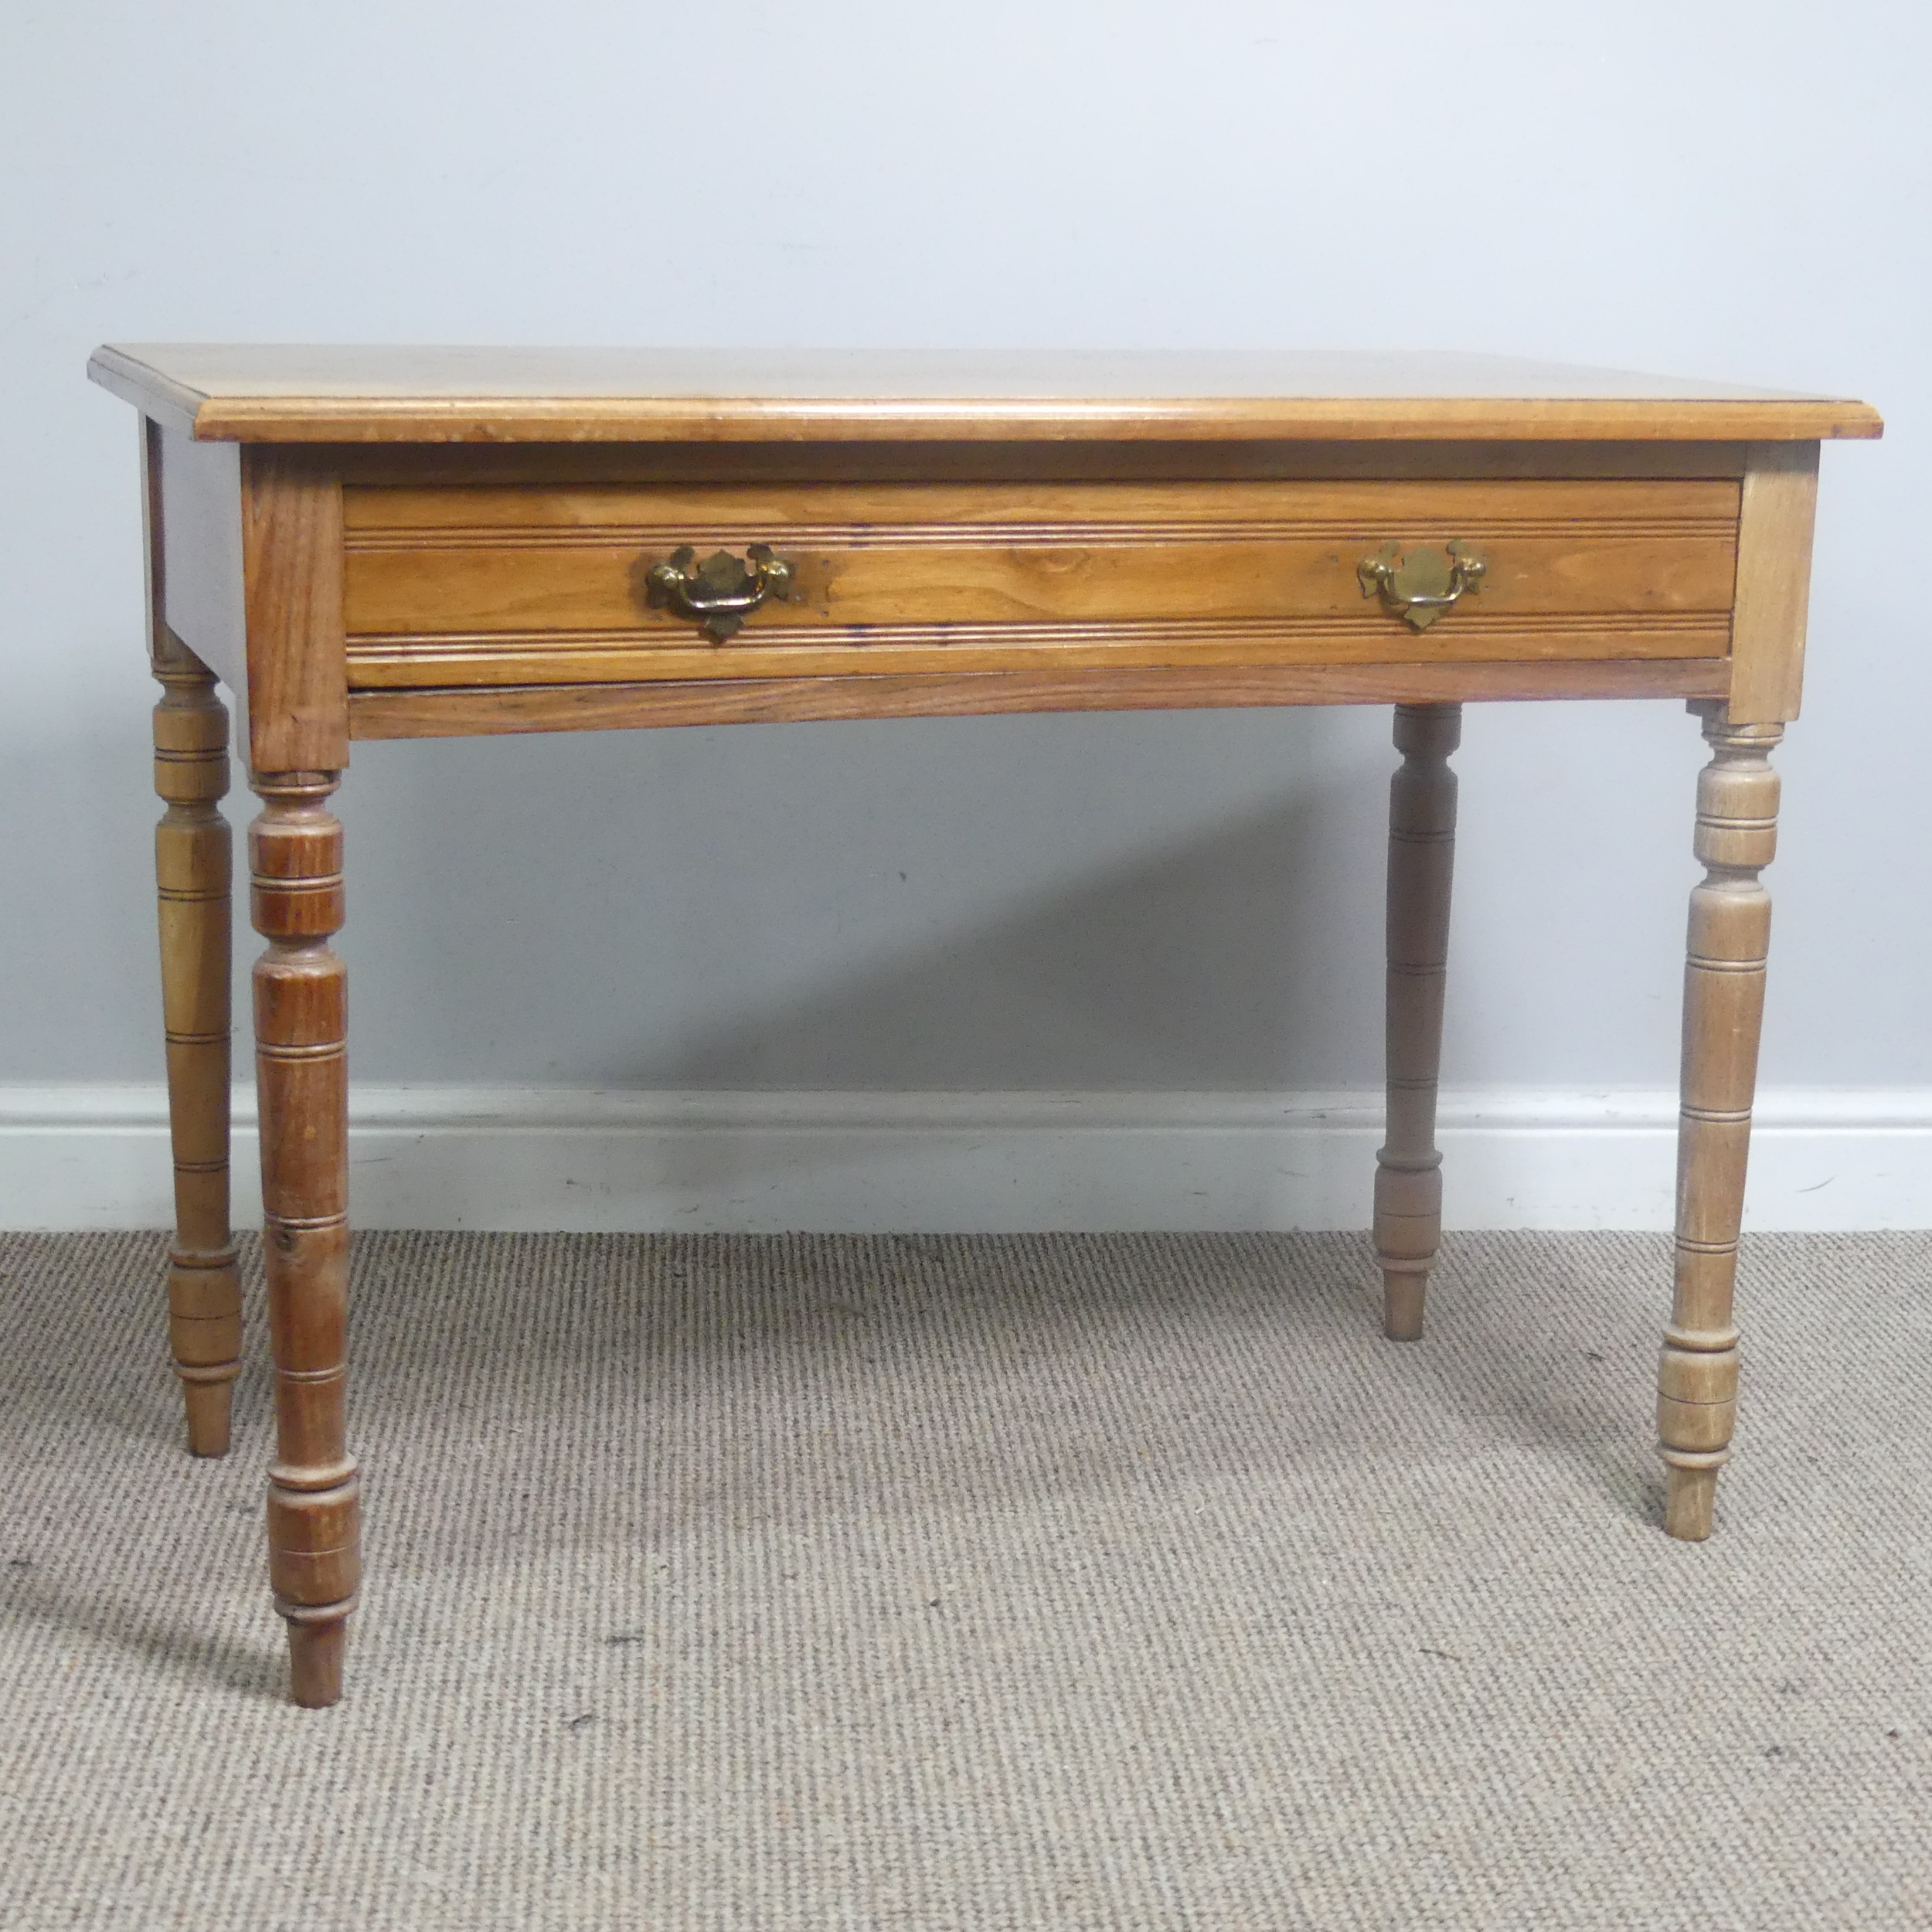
291,393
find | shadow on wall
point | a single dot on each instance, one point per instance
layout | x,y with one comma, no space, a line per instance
782,914
1183,969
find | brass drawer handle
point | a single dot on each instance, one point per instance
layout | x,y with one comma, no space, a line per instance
1419,585
721,591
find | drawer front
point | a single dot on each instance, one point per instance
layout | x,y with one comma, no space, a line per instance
462,586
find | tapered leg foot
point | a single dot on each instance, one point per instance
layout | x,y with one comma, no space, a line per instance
204,1316
1402,1297
1690,1496
315,1651
210,1405
1422,846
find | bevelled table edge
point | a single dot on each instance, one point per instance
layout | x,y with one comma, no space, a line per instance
780,418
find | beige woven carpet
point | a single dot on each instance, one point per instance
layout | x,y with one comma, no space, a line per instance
1034,1582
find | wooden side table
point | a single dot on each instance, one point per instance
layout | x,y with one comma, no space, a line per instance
391,543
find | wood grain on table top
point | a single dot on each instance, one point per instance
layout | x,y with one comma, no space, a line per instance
290,394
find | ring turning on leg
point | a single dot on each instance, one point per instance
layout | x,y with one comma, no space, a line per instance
1422,848
301,1072
192,868
1730,923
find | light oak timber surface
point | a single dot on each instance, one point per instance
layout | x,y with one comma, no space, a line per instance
481,465
1779,506
1729,937
462,713
390,543
912,578
576,588
316,394
959,513
906,650
252,549
193,872
1421,852
292,593
301,1074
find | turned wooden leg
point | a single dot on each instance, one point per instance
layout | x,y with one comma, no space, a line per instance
1422,851
1730,926
295,847
192,865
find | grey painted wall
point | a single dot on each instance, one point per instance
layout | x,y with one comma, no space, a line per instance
1737,189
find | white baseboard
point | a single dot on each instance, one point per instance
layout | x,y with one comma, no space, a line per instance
532,1158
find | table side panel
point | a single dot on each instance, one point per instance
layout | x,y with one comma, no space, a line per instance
200,528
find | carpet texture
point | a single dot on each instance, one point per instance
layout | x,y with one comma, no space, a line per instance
991,1582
